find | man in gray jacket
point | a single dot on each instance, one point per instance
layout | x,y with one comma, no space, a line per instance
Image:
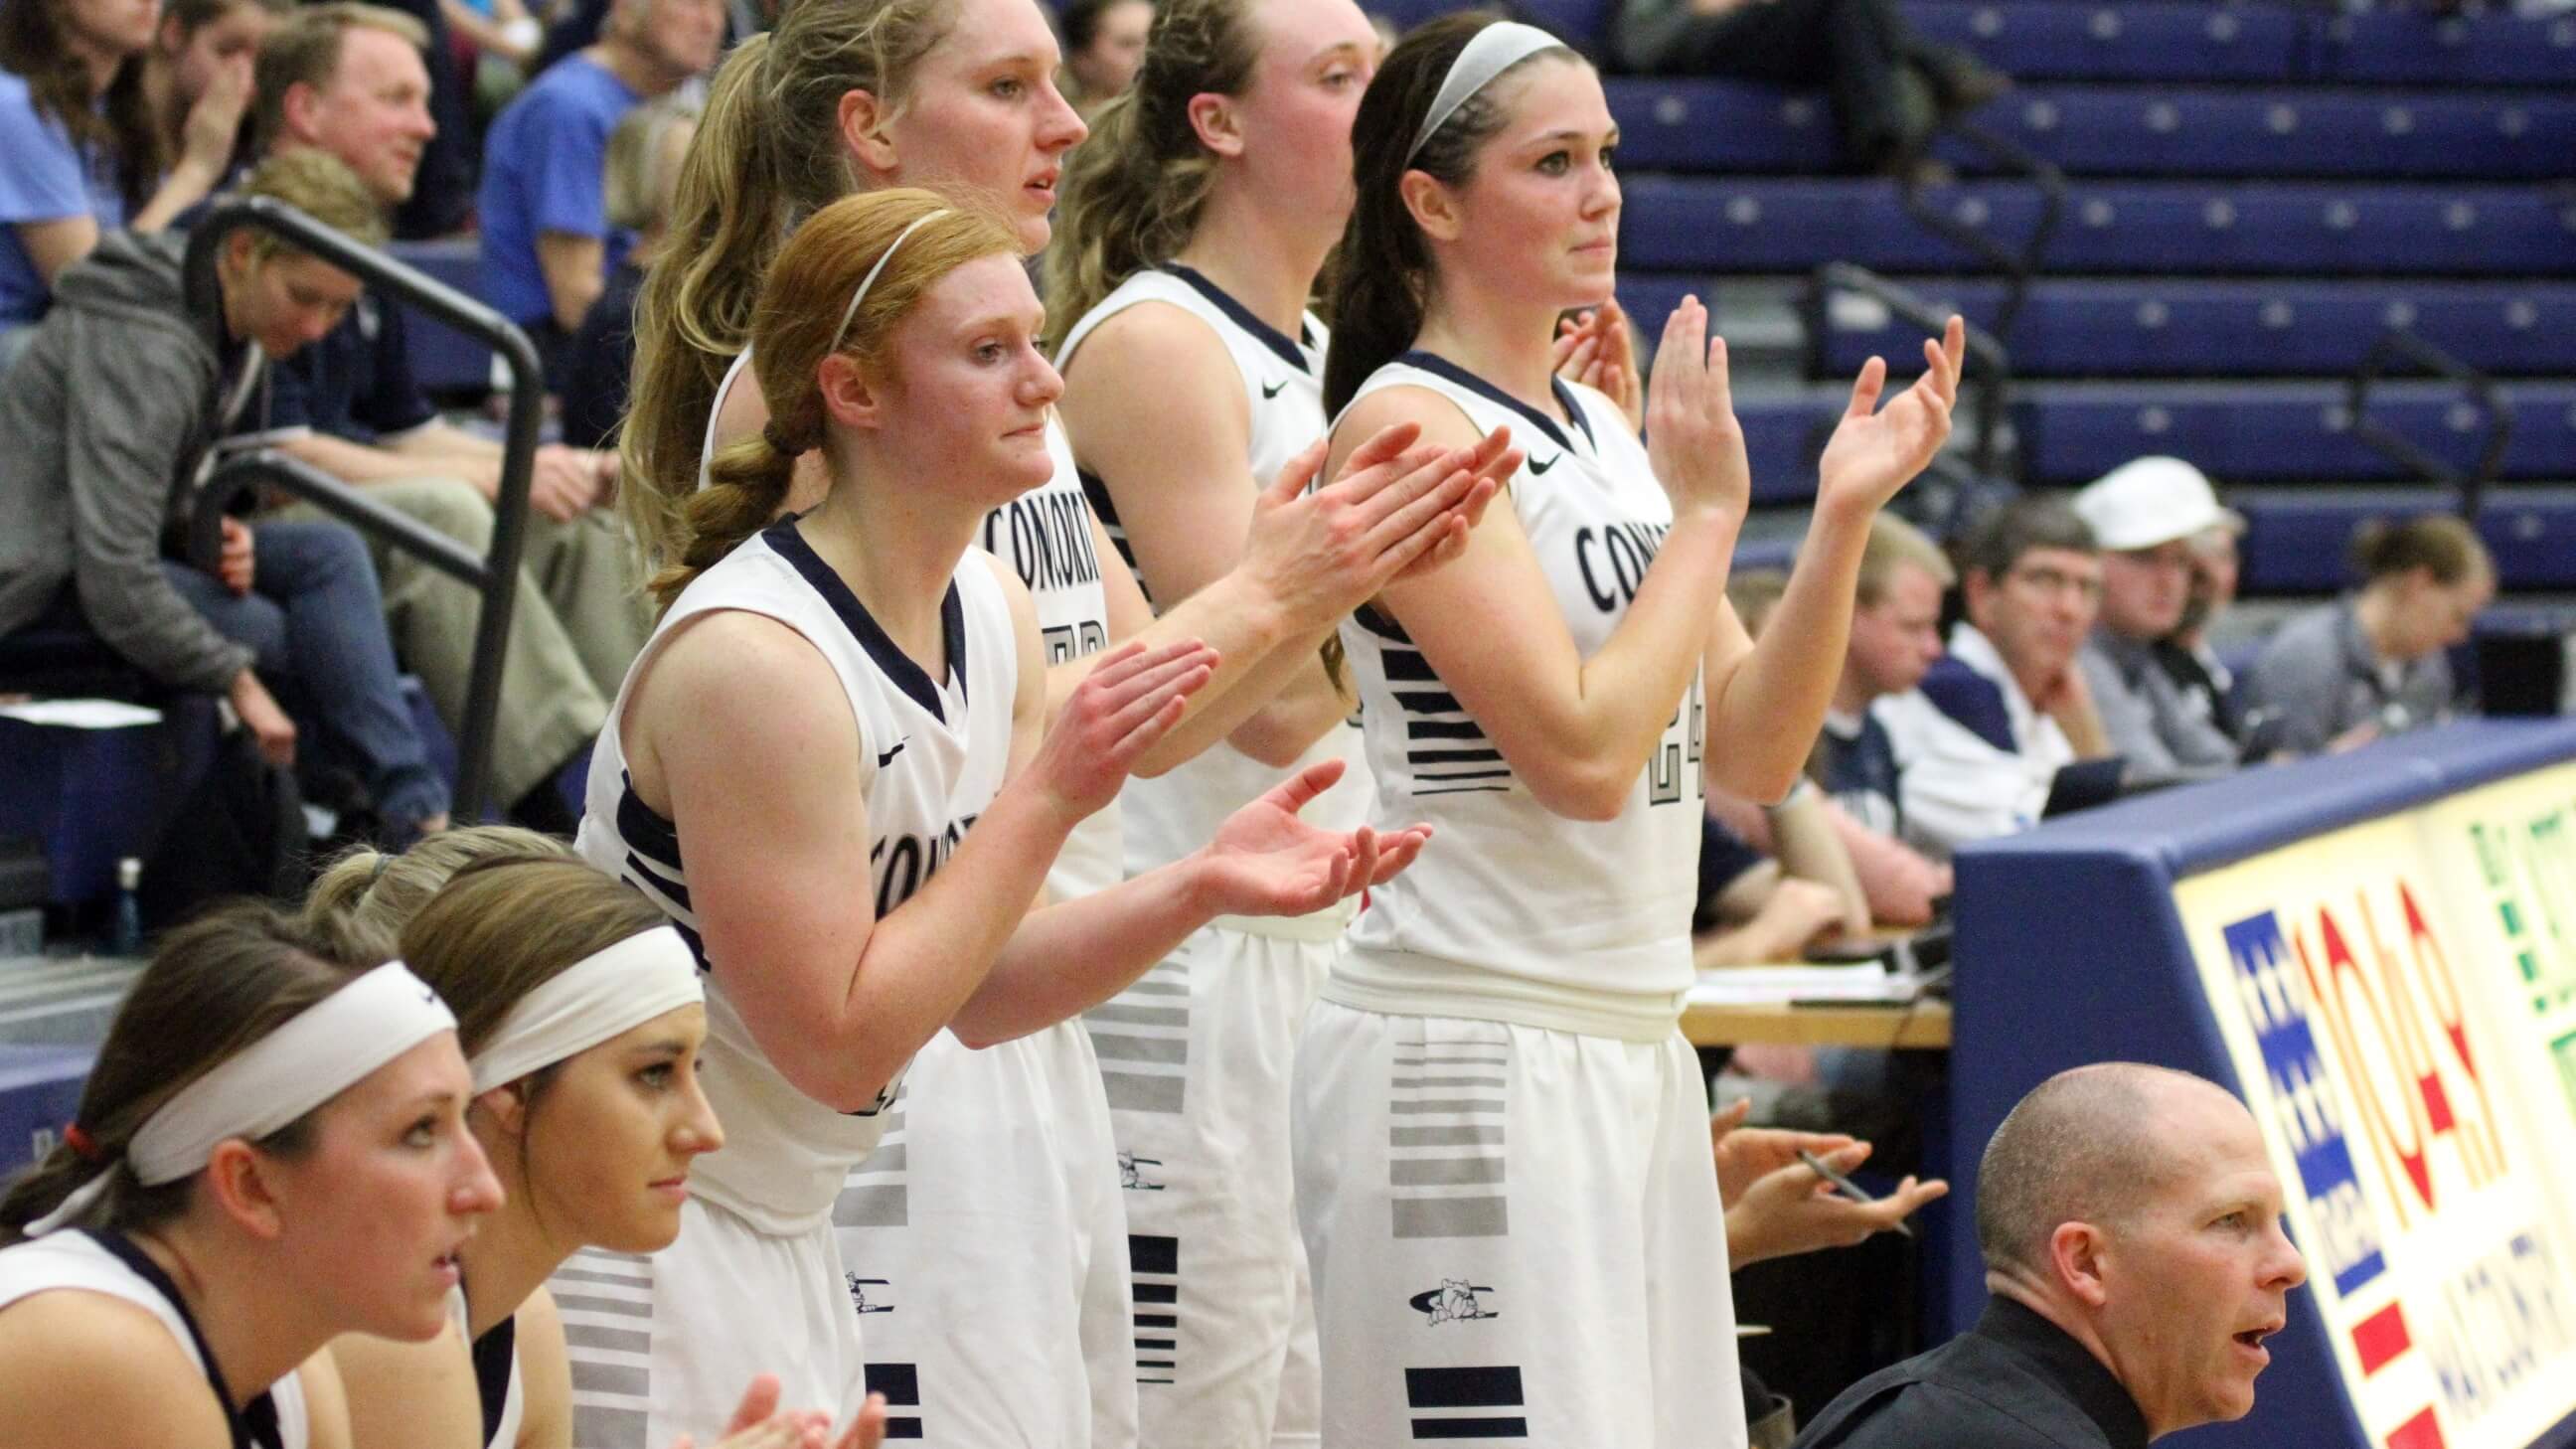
110,417
2145,513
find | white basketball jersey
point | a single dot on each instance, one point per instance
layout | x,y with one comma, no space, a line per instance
1283,384
931,756
1045,536
1513,912
109,1265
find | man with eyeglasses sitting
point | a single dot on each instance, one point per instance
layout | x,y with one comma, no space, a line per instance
2004,729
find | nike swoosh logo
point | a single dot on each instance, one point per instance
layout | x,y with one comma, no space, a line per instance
1536,468
888,757
1271,390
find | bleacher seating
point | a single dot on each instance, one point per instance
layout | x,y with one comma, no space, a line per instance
1742,126
2197,327
2212,227
2255,196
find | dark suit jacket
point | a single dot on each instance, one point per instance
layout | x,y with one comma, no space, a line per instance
2015,1381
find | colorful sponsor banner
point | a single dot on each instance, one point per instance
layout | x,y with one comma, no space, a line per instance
2393,997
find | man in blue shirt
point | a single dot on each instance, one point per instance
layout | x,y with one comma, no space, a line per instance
349,79
547,242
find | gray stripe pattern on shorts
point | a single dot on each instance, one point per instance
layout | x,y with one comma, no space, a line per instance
875,1194
1447,1097
1142,1037
606,1301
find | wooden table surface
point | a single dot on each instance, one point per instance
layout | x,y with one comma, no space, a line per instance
1920,1026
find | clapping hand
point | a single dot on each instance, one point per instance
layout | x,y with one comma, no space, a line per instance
1594,347
1122,708
1876,451
1267,861
1692,436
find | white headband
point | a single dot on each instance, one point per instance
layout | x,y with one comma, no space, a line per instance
588,1002
1495,49
319,1054
715,411
742,359
870,279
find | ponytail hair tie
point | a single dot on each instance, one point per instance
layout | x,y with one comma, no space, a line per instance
81,1143
777,440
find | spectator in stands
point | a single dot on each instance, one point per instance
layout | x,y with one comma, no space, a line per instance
1104,43
348,79
643,167
198,43
2187,655
2145,514
1895,641
1895,638
2004,728
548,246
443,203
1888,86
2372,664
2131,1226
80,149
109,414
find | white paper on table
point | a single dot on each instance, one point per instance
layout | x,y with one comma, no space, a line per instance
1753,985
81,714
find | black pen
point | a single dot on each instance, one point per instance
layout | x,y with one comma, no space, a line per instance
1845,1186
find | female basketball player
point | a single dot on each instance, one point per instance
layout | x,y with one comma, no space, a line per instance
1503,1173
1194,222
1006,1184
836,699
271,1151
581,1019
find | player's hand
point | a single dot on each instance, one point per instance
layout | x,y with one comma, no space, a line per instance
1876,451
1393,506
868,1430
1127,703
1596,348
1267,861
758,1423
1692,436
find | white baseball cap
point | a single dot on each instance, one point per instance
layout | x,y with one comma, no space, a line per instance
2151,501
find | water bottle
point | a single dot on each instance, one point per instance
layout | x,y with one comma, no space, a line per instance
126,938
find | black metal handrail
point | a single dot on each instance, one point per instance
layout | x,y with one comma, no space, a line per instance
2018,264
1987,382
496,574
2402,344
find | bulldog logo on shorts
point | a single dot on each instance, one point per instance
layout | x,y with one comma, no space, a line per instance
1130,1175
1453,1301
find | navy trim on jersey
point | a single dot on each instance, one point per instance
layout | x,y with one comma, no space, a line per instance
1241,316
643,828
1441,367
254,1425
897,666
494,1352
